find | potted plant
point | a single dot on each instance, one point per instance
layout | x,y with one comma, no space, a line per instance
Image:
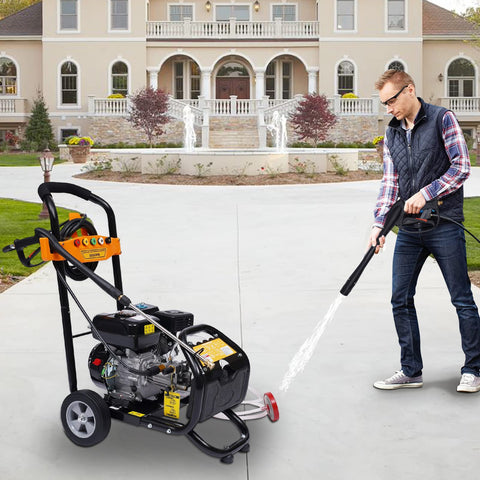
79,148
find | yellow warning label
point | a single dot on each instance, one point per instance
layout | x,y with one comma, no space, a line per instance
148,329
94,254
136,414
171,404
215,349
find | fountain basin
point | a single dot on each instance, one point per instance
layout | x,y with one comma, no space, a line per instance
227,162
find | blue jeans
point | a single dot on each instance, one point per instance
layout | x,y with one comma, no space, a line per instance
447,244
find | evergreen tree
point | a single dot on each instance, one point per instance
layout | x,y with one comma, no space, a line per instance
39,128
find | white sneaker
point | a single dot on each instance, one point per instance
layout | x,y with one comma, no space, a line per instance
469,383
400,380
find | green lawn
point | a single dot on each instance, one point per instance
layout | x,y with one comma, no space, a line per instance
23,159
19,220
472,222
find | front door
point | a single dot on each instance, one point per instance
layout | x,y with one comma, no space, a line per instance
239,86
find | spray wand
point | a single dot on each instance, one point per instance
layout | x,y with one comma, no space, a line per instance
393,217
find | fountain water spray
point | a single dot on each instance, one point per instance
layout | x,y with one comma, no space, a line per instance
189,136
278,129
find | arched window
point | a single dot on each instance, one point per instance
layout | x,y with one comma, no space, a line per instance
345,73
8,77
396,65
120,78
233,69
461,78
69,82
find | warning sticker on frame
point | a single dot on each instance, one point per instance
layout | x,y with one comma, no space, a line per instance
215,349
171,404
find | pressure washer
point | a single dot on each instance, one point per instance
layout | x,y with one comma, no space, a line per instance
427,219
158,369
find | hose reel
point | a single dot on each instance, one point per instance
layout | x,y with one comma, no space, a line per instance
77,226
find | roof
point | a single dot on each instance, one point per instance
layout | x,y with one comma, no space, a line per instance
443,22
24,22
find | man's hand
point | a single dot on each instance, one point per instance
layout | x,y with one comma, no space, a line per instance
372,242
415,203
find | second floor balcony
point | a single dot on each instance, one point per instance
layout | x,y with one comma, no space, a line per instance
232,29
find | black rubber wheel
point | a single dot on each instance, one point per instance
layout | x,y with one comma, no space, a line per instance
85,418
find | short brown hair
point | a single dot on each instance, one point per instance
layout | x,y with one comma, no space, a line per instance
397,77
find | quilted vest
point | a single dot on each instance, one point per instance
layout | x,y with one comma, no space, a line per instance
424,159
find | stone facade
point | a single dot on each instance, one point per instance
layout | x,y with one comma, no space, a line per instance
227,132
108,130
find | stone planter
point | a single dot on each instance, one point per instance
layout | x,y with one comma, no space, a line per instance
79,153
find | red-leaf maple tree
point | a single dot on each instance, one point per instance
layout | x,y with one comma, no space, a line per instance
313,119
148,111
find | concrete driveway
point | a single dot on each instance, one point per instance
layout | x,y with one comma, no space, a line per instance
263,265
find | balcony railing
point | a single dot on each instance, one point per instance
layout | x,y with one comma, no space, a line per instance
108,106
232,29
461,104
236,106
13,106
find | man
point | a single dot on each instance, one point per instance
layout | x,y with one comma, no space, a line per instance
425,158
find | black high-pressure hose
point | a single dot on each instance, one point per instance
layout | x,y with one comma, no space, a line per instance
460,225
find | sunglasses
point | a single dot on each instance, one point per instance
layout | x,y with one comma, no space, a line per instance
392,100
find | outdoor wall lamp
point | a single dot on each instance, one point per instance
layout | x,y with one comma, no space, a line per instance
208,6
46,163
440,77
256,6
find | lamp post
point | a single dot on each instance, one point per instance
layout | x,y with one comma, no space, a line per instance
46,163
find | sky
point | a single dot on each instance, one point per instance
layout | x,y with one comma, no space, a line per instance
457,5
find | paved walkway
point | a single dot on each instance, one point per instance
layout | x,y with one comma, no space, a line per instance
262,264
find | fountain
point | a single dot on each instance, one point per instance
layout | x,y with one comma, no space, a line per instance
278,129
189,136
192,160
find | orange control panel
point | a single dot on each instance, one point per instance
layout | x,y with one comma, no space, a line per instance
89,248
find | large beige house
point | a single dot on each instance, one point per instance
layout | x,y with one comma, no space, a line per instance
235,62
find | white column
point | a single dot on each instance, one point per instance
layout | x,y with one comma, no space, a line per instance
312,80
259,84
153,77
91,104
205,82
